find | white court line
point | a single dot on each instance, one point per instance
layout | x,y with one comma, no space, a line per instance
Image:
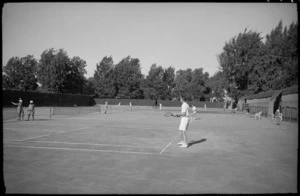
33,137
50,134
80,149
92,144
15,129
138,127
85,127
165,148
10,140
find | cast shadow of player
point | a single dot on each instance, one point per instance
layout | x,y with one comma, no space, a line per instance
41,119
196,142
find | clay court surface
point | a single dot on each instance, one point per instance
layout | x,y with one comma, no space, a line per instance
136,152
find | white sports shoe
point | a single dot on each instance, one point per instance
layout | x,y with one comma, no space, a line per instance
180,143
184,146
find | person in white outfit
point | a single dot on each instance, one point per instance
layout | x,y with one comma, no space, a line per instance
194,111
105,107
184,122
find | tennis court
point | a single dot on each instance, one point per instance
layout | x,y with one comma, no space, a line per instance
129,152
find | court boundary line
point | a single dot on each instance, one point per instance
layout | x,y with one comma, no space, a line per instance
165,148
33,137
52,133
83,127
138,127
92,150
79,143
16,129
81,149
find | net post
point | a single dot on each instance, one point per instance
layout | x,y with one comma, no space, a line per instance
50,111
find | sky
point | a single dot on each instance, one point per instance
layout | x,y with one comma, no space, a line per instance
180,35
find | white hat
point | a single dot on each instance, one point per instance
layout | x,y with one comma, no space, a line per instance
31,101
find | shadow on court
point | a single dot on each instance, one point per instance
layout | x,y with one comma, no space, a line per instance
196,142
42,119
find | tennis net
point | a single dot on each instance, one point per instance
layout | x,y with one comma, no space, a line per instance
74,110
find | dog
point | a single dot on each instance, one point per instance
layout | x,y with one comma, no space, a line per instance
258,115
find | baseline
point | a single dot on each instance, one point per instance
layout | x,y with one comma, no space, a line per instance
82,149
80,143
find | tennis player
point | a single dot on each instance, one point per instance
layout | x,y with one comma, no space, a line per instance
30,110
194,111
20,110
106,107
184,122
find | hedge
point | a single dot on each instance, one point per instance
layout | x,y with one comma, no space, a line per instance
45,99
165,103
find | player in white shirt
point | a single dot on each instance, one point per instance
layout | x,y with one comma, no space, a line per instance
184,122
194,111
105,107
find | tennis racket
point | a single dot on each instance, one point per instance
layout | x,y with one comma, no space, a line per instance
169,114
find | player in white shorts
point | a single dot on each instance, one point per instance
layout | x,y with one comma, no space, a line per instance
194,112
184,122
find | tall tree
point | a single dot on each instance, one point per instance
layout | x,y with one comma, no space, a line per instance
156,87
236,61
198,87
89,87
283,55
20,73
104,78
128,78
51,70
217,83
169,78
75,80
58,73
276,65
182,81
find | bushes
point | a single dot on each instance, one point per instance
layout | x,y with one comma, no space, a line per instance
45,99
165,103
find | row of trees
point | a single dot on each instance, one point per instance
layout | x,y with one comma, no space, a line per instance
54,72
250,65
125,80
247,66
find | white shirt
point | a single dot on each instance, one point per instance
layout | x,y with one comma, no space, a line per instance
194,108
185,109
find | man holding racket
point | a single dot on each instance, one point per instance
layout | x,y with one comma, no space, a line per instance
184,122
20,110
